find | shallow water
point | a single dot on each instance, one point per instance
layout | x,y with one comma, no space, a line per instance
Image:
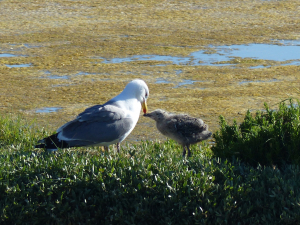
48,109
178,84
162,81
262,51
258,81
185,82
18,65
178,72
58,77
82,73
51,76
7,55
283,51
173,59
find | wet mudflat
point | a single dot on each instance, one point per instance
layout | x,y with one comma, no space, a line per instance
205,59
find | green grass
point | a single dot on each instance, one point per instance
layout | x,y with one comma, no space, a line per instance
148,183
269,137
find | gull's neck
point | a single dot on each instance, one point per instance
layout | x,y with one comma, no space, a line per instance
131,104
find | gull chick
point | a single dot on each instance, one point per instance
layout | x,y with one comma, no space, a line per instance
102,125
182,128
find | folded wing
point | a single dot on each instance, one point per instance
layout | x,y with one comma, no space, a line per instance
97,124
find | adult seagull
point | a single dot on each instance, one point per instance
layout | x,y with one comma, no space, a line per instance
102,125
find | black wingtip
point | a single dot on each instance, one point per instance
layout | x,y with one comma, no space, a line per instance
51,142
40,146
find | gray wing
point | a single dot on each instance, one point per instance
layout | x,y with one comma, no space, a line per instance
102,113
97,124
188,128
188,125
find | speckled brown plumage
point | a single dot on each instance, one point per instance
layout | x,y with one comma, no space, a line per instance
184,129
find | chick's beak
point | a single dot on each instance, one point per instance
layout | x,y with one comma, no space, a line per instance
144,106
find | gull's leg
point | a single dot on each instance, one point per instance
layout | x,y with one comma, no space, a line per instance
189,152
118,147
106,148
183,153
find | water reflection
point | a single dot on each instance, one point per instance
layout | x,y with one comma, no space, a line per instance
18,65
285,51
258,81
48,109
7,55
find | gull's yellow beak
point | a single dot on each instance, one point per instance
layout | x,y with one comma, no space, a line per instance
144,106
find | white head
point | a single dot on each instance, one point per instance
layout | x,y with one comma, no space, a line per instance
137,89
